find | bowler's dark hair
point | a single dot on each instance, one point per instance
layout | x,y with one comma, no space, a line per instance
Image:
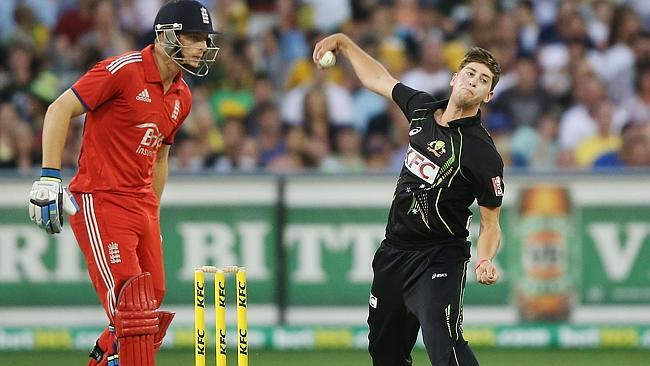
483,56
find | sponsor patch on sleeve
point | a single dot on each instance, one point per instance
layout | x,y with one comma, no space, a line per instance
497,184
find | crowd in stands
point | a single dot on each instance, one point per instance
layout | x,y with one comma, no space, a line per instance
574,91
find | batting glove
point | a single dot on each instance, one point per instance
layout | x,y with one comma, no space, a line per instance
48,200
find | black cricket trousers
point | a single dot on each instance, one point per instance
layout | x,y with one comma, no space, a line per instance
419,288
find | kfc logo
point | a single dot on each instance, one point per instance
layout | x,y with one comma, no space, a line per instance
419,165
497,184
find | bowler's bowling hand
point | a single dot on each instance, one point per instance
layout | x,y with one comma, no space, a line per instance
486,272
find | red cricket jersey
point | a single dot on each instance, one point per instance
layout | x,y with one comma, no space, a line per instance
128,117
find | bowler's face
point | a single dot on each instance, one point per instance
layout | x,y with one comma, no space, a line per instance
471,85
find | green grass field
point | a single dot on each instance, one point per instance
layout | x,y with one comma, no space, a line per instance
487,357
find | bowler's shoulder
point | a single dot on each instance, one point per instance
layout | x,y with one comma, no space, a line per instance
478,133
479,142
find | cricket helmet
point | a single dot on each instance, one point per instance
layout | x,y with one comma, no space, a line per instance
179,16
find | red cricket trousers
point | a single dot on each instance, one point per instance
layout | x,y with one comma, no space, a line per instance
120,237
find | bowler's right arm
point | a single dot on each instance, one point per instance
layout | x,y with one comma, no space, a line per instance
372,74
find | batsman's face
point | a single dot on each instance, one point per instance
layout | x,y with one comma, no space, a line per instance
194,46
471,85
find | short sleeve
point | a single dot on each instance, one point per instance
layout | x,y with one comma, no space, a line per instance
409,99
485,170
97,86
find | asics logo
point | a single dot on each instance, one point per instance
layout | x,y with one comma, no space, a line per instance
415,131
373,301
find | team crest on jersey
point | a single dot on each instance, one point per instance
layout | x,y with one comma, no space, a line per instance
437,147
114,252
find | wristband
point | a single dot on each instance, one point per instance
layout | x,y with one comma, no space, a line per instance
478,264
51,174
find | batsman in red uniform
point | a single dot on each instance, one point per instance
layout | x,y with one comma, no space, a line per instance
134,104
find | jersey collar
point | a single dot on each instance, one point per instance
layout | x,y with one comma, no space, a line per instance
151,73
461,122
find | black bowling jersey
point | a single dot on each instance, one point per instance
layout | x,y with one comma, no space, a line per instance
445,170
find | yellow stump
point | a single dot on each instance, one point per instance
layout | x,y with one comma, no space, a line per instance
242,326
199,318
220,309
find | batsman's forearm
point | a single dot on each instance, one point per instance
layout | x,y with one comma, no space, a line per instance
55,129
488,241
372,74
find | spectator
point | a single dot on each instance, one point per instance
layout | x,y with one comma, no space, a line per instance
615,65
239,152
522,104
16,140
641,47
185,158
536,148
379,153
386,122
269,137
340,106
506,54
291,40
638,107
318,128
483,16
347,158
571,55
366,104
429,75
577,123
136,16
634,151
598,25
529,29
603,141
331,13
22,65
210,141
106,38
76,21
28,30
234,97
269,59
293,160
263,95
